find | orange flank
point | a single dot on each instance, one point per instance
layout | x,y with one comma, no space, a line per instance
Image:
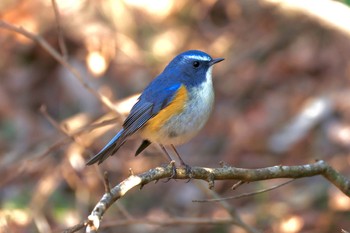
175,107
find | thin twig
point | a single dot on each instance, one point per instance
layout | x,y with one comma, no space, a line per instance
58,57
124,211
106,182
236,219
236,185
245,194
60,128
75,228
169,222
53,122
61,42
67,138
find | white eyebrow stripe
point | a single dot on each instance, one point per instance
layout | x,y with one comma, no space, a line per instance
197,57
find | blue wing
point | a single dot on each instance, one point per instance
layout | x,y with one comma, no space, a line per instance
153,99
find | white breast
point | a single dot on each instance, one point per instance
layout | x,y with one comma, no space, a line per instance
186,125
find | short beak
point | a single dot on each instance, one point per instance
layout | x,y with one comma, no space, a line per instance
216,60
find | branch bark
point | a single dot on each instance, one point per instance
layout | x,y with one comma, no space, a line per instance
210,175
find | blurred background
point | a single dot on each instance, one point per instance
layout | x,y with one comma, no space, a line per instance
281,98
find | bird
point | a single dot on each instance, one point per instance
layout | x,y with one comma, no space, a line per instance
172,109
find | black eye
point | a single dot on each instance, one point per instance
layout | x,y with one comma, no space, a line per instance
195,64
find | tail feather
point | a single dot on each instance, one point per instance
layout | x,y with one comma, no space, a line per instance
144,145
111,147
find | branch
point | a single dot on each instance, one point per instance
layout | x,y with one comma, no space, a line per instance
212,174
231,210
61,42
59,58
245,194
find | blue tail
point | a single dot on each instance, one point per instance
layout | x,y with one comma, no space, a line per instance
111,147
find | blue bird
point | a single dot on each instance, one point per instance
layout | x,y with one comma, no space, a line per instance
172,108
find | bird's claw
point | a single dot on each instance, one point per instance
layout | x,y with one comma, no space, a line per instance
173,168
188,172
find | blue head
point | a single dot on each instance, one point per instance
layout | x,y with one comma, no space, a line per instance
191,67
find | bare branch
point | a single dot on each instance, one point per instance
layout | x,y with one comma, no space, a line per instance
245,194
232,211
106,182
61,42
236,185
169,222
58,57
211,174
75,228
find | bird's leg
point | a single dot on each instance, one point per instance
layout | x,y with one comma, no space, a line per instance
165,152
170,159
187,167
